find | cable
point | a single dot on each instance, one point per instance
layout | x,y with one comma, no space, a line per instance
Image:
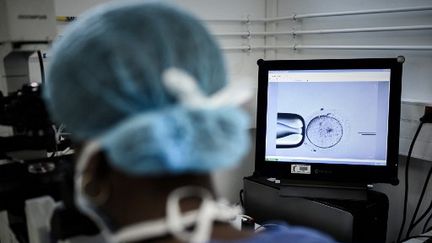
426,237
426,224
420,200
56,142
241,197
41,65
406,181
424,214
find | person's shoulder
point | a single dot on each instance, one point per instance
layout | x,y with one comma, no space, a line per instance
295,234
288,234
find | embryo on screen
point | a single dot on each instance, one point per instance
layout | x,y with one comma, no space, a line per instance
328,116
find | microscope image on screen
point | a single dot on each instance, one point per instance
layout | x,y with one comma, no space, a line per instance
336,120
324,130
290,130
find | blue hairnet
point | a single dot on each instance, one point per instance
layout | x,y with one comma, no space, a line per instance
104,83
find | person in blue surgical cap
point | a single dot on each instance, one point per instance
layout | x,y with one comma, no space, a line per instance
142,87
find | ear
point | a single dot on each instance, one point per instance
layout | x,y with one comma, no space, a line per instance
95,182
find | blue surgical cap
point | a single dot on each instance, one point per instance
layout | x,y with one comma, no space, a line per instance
104,83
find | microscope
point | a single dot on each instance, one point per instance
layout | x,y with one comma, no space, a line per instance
26,27
33,161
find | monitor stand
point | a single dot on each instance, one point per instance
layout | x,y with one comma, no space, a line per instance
349,213
323,190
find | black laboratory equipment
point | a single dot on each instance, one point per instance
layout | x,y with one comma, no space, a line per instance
33,154
326,131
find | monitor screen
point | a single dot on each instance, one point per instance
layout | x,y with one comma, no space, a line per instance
329,119
337,116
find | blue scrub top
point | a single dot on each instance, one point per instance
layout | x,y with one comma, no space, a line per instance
286,234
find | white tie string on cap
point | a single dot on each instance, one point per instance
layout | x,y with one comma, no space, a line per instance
182,85
209,212
177,222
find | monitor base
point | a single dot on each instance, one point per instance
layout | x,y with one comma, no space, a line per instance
359,217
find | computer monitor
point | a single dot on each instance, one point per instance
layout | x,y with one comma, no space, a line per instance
329,120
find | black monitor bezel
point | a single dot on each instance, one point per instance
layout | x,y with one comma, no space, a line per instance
331,172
